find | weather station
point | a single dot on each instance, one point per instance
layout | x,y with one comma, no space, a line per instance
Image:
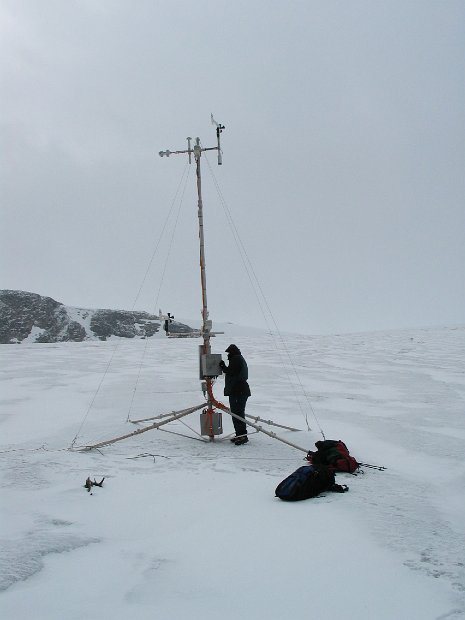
211,425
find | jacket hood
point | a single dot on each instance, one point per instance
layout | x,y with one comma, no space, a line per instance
233,350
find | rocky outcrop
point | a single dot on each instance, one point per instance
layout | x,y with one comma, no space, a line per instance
124,324
31,317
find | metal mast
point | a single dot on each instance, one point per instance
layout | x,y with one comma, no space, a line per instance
206,325
209,364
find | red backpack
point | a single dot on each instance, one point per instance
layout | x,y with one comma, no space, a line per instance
335,455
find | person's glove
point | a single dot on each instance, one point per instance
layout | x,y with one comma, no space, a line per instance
222,364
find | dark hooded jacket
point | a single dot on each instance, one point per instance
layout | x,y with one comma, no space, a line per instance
236,373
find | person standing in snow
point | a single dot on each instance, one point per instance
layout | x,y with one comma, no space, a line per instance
238,390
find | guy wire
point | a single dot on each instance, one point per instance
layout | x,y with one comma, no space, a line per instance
173,202
161,280
254,281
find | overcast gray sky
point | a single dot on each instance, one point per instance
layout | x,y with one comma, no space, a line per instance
344,157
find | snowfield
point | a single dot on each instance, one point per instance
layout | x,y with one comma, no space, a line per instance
188,529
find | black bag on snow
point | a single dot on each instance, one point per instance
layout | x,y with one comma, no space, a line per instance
307,481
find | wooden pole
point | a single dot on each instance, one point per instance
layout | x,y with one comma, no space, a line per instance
271,423
165,415
175,416
262,430
256,426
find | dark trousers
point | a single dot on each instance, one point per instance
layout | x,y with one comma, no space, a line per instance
237,404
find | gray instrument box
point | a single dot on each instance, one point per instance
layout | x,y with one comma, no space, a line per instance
210,365
211,425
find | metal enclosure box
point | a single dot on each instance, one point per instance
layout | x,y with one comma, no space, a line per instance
211,425
210,365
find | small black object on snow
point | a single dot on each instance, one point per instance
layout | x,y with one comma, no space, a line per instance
89,484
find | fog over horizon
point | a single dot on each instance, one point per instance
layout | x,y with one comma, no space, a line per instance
343,159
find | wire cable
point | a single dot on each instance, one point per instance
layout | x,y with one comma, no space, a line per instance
161,235
128,419
184,177
261,298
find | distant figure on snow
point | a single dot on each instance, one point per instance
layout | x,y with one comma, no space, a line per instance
238,390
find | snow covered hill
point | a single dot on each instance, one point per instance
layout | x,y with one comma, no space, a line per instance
29,317
185,528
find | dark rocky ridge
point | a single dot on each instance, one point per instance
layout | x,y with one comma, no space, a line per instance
35,318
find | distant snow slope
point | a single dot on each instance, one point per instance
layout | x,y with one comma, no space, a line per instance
29,317
182,528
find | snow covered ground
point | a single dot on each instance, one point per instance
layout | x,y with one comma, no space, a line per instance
183,529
